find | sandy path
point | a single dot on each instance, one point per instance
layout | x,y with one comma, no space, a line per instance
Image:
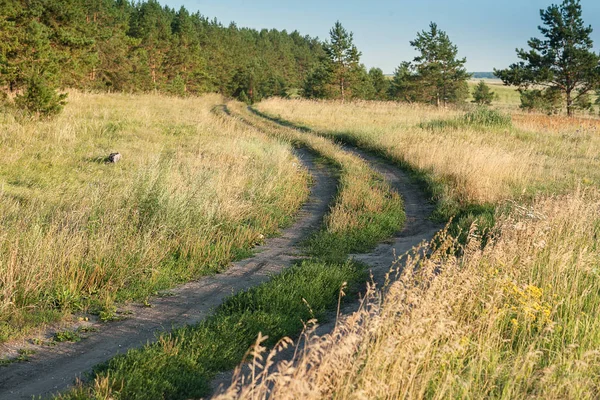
418,228
54,369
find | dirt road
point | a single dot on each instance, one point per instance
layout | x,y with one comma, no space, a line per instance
53,369
418,228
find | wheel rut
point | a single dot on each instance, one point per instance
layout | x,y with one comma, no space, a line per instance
417,229
54,369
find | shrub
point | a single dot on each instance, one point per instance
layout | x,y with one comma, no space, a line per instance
482,117
482,94
41,99
548,100
487,117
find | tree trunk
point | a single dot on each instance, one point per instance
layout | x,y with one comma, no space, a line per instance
342,88
569,103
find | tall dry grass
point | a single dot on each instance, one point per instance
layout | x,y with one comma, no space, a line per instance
193,192
366,210
516,319
466,163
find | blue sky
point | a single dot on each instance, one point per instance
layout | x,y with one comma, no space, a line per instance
486,31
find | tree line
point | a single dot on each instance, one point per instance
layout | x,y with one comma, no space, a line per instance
119,45
559,72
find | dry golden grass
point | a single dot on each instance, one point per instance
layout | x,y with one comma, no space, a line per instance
193,192
468,164
511,315
517,319
366,208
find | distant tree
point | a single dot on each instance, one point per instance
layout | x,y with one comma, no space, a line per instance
316,85
380,83
436,76
40,99
133,46
344,58
482,94
403,84
442,75
363,85
563,60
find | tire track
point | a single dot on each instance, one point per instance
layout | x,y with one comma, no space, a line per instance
417,229
54,369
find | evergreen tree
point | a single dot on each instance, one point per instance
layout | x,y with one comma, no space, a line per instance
363,85
563,60
548,100
142,46
380,84
482,94
344,58
403,85
441,76
40,99
316,85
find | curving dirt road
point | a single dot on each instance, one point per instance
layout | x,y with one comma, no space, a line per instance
417,229
54,369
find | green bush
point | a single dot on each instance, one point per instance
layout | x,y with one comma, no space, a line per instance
547,100
487,117
41,99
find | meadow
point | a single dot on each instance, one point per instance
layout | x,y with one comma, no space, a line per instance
199,185
503,306
193,192
505,315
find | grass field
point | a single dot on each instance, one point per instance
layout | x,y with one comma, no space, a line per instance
507,97
182,363
193,192
465,158
511,315
504,307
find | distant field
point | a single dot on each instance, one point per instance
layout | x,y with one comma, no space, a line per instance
507,96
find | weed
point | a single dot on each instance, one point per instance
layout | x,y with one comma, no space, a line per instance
67,336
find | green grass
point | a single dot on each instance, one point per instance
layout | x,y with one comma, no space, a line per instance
507,97
192,193
447,208
482,118
182,363
374,227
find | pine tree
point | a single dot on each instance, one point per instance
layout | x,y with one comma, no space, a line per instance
563,60
344,58
482,94
403,85
441,76
380,83
40,99
142,46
